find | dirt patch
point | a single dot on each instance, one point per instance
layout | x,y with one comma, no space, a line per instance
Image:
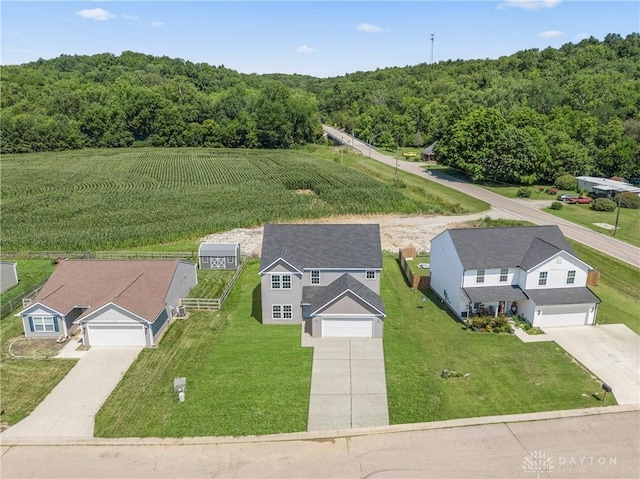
606,226
305,192
34,348
397,231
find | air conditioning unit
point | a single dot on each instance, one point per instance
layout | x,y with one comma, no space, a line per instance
182,311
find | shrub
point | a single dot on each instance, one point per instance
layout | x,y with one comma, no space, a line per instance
540,189
629,200
552,191
603,204
566,182
556,205
523,193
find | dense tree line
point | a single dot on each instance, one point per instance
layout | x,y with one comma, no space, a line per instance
528,117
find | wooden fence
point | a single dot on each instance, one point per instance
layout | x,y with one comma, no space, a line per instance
20,300
416,281
593,277
214,304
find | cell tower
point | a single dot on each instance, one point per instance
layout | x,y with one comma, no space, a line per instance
432,35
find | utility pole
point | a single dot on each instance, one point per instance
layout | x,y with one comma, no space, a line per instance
615,229
432,35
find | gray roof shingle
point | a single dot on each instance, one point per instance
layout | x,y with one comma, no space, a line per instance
318,296
495,293
562,296
520,246
306,246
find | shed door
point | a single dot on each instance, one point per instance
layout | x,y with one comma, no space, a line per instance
347,328
564,315
217,263
117,335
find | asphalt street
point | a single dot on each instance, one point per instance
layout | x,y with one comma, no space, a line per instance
525,210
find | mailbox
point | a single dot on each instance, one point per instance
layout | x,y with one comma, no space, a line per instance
606,388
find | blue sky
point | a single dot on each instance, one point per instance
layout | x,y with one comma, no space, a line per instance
327,38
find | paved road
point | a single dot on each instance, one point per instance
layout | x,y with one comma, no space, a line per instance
581,446
525,210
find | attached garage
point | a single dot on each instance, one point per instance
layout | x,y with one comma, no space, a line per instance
347,327
563,315
116,335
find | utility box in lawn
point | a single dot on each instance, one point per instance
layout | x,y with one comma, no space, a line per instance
180,386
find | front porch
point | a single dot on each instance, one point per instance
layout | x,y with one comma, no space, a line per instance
494,301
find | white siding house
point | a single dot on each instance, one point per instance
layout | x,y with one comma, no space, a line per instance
529,271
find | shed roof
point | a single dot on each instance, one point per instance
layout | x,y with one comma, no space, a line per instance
322,246
521,246
139,286
429,149
218,249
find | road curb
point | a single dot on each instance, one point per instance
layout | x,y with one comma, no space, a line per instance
329,435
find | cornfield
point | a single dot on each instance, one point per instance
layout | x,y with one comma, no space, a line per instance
108,199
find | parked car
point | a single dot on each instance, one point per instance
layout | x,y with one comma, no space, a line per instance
566,197
582,200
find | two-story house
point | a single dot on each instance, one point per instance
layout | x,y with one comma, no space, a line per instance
326,276
531,271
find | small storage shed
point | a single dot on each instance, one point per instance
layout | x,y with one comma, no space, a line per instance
219,255
8,275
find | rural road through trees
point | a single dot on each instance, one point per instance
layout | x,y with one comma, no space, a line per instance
523,209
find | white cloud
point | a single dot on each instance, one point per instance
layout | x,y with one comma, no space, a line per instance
530,4
582,36
99,14
305,49
130,17
551,34
156,24
368,28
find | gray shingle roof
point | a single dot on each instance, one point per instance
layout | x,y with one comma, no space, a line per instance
521,246
318,296
322,245
494,293
217,249
562,296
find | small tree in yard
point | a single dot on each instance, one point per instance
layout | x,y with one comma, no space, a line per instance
523,193
603,204
628,199
566,182
556,205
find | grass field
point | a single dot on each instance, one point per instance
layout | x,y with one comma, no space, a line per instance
618,288
628,224
211,283
119,198
506,375
242,377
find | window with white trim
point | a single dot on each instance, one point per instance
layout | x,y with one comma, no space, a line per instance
282,311
371,274
542,278
315,277
230,259
480,276
571,276
275,281
286,281
43,324
504,274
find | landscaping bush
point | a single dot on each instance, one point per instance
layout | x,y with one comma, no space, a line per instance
523,193
566,182
628,200
540,189
489,324
552,191
557,205
603,204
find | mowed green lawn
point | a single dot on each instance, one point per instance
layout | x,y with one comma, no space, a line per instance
506,376
242,377
618,287
628,223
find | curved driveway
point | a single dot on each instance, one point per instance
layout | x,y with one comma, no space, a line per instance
522,209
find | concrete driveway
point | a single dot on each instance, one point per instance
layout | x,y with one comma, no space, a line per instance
70,408
348,384
610,351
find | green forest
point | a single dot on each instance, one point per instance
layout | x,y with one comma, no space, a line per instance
525,118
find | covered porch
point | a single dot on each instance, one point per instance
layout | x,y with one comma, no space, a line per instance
495,300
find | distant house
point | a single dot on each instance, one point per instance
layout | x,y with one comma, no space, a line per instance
324,276
428,154
115,303
219,255
8,275
529,271
604,186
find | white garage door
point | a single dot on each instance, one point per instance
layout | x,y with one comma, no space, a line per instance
347,328
120,335
564,315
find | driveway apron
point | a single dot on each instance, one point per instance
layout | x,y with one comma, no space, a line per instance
348,384
610,351
69,410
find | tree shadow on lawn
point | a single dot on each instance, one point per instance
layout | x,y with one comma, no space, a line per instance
256,304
